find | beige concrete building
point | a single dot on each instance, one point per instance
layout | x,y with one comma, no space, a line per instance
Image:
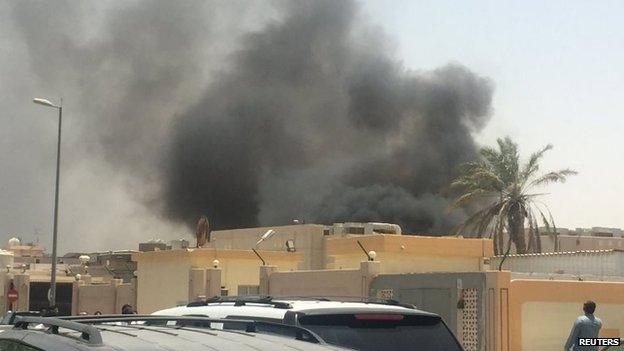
25,253
75,294
567,243
317,250
596,238
335,247
488,310
172,277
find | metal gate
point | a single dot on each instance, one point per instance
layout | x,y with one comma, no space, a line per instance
38,297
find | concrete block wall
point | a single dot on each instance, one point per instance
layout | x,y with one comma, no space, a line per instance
339,282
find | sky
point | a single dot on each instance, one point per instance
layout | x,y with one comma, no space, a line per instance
557,70
556,67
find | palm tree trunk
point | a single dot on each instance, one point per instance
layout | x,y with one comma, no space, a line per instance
538,240
497,240
499,231
515,222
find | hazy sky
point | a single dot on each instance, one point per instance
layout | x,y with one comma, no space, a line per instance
557,67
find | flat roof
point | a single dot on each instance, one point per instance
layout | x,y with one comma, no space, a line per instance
412,245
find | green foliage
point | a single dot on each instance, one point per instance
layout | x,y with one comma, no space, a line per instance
503,188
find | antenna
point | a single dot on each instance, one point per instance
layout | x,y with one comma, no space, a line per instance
260,257
269,233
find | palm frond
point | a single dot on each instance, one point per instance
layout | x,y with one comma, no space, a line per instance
480,219
509,157
553,177
468,197
532,164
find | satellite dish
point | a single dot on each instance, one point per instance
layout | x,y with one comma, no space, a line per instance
14,242
84,259
269,233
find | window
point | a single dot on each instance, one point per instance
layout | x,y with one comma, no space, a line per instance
14,345
248,290
371,332
355,230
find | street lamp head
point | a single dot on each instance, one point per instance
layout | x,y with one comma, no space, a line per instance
44,102
372,255
269,233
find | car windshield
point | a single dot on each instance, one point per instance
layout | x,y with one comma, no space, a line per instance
368,332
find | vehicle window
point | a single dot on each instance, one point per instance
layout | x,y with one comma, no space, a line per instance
194,324
369,332
260,319
12,345
239,326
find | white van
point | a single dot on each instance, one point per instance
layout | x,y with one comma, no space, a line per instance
365,326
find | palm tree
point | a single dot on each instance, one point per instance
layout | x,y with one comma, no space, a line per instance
503,190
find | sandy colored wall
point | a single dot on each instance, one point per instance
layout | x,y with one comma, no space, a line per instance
163,276
308,239
405,263
535,336
577,243
93,298
544,310
316,283
106,298
125,294
411,244
410,254
345,282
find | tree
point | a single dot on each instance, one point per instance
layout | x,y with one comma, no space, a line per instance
503,191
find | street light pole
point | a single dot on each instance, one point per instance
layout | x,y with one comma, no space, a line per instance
52,292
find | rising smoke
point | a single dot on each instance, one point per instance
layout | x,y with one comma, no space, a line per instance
316,120
251,113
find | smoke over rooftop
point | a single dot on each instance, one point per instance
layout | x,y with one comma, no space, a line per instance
316,119
248,112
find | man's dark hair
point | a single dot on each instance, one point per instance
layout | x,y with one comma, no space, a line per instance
589,307
127,309
53,311
44,312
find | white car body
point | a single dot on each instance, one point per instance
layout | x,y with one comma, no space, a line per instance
366,326
269,312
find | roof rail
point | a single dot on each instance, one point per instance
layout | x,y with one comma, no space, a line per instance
250,326
242,301
271,300
90,334
363,299
9,319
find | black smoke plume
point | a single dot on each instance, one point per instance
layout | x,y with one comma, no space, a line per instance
317,120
